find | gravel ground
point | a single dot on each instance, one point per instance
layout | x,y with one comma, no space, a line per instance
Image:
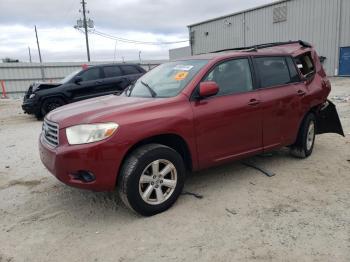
301,214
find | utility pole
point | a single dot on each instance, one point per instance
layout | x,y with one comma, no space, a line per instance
41,61
115,51
37,42
30,55
86,30
85,23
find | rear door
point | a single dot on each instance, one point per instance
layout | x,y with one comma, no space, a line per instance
280,91
114,80
131,72
88,87
228,125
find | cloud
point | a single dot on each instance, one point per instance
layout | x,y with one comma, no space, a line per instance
68,44
146,20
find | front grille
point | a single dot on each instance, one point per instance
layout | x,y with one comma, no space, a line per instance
29,92
50,133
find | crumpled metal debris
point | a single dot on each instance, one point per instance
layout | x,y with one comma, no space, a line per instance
192,194
262,170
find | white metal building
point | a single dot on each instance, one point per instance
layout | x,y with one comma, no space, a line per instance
179,52
324,23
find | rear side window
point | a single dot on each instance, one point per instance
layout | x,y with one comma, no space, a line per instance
305,64
273,71
130,70
91,74
232,76
112,71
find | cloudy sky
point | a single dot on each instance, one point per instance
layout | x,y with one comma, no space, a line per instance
143,20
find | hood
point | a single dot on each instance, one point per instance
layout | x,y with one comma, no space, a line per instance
43,85
99,110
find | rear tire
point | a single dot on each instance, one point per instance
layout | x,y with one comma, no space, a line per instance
306,138
50,104
151,179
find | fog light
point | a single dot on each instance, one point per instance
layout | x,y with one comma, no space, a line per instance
84,176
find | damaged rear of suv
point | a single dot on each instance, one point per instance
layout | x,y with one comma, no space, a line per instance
312,74
189,115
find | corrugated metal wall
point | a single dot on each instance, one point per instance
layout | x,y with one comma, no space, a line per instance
345,24
315,21
219,34
18,76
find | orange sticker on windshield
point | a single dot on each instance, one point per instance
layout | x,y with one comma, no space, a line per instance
181,76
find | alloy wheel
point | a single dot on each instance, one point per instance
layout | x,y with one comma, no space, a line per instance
158,182
310,138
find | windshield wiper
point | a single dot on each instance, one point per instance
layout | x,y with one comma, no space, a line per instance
153,93
129,89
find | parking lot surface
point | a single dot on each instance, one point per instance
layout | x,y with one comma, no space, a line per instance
300,214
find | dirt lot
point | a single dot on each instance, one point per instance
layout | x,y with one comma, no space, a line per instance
301,214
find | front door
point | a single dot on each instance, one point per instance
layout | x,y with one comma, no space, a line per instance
89,86
228,125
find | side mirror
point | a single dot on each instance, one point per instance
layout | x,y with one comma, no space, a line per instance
208,88
78,79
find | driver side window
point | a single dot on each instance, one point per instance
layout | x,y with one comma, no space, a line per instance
232,76
91,74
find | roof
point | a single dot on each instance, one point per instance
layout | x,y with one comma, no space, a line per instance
283,48
113,64
240,12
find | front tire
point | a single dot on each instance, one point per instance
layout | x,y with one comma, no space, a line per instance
51,104
38,115
306,138
151,179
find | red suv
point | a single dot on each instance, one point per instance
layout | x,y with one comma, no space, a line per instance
189,115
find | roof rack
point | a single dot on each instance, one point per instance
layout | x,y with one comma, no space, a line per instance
255,48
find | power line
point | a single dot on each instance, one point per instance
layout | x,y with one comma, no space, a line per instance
130,41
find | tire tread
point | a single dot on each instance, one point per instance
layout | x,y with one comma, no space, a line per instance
128,168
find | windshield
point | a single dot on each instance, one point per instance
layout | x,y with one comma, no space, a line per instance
69,77
166,80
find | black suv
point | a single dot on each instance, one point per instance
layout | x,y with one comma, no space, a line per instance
93,81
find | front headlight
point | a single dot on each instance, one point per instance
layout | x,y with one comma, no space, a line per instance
32,96
89,133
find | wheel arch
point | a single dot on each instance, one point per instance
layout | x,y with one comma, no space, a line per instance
173,141
45,98
313,110
42,99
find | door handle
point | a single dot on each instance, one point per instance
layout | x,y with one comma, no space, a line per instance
99,82
301,93
254,102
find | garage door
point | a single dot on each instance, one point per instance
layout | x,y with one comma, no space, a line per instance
344,61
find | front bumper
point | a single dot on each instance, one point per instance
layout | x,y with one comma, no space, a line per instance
100,159
30,106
